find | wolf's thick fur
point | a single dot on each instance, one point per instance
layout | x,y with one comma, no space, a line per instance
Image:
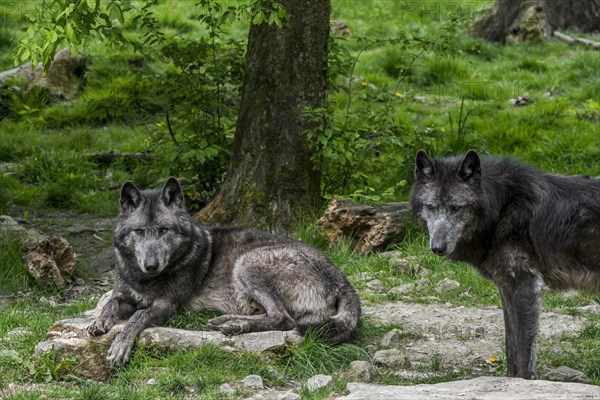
167,262
521,228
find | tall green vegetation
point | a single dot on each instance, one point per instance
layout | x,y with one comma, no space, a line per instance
168,81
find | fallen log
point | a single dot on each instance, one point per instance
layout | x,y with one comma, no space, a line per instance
576,40
370,228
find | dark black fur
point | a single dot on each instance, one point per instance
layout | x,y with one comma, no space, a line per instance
526,230
167,262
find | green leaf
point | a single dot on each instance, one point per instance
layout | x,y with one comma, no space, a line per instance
115,12
70,33
52,37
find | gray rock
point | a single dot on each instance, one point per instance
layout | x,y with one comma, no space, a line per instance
422,283
16,333
482,388
69,338
253,382
421,270
391,358
274,394
408,374
359,371
226,388
403,289
566,374
376,285
393,337
446,285
592,308
319,382
289,396
363,276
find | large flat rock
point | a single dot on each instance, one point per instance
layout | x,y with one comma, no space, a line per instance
70,339
482,388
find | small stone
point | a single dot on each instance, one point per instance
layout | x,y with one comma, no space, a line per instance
421,270
566,374
391,254
446,285
151,382
390,358
376,285
253,382
226,388
359,371
17,333
393,337
363,276
289,396
592,308
422,282
403,289
319,382
479,332
570,294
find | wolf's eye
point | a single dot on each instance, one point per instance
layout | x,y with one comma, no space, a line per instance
430,207
139,231
162,230
455,208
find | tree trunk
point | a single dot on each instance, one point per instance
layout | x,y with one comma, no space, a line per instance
534,20
271,176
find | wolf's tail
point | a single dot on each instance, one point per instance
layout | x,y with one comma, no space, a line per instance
341,327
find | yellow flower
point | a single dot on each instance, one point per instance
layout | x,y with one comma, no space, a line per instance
493,358
398,94
365,84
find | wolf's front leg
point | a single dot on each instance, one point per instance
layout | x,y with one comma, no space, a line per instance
157,314
114,309
521,305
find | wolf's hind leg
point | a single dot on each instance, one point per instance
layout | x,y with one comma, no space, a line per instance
521,305
275,318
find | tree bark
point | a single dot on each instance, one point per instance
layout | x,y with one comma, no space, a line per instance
535,20
271,177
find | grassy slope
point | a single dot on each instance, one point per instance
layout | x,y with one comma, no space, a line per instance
45,155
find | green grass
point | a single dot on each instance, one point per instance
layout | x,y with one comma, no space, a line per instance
581,352
13,274
402,100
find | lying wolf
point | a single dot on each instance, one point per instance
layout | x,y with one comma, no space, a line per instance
520,227
166,262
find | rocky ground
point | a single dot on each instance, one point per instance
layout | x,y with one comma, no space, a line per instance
433,337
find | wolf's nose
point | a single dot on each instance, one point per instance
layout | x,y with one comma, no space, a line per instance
438,249
151,266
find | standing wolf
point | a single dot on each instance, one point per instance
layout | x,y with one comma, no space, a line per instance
167,262
521,228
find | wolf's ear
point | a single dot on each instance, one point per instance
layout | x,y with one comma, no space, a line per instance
130,196
172,194
423,166
470,168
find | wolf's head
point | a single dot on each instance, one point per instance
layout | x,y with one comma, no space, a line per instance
153,229
446,197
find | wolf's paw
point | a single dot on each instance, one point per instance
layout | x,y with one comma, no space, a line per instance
229,325
119,351
100,326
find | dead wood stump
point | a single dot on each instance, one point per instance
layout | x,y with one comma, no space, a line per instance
370,227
